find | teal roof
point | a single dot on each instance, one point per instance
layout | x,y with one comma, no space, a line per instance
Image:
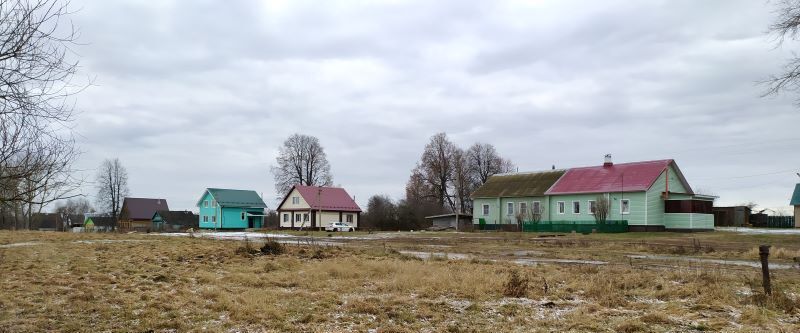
236,198
796,196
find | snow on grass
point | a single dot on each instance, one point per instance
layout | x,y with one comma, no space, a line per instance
756,231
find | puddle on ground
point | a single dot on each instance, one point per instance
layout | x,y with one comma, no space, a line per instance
756,264
428,255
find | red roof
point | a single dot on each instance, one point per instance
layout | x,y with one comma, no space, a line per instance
330,198
143,208
636,176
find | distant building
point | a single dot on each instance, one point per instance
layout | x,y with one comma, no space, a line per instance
649,195
796,203
736,216
169,220
315,206
99,222
137,213
230,209
458,222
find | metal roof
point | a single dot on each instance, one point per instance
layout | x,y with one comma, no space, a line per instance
143,208
524,184
326,198
623,177
796,196
236,198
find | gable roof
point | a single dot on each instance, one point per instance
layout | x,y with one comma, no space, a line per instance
796,196
325,198
143,208
179,217
525,184
623,177
235,198
103,221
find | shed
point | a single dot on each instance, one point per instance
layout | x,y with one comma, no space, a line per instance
735,216
459,222
171,220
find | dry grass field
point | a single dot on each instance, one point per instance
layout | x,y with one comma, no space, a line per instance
113,282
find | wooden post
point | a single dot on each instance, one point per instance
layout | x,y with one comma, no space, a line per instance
763,252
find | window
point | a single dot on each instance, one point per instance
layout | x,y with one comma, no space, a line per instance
349,218
523,208
295,200
592,207
205,218
537,207
213,203
214,219
688,206
205,203
285,217
625,206
561,207
510,209
576,207
297,217
485,209
242,216
305,217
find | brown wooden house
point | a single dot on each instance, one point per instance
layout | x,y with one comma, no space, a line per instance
137,213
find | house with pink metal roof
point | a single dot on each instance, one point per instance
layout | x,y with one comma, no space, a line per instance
316,206
648,195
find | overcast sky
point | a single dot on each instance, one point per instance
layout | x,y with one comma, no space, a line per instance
196,94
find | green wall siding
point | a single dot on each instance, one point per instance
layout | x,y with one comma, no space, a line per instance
688,221
655,204
500,215
636,201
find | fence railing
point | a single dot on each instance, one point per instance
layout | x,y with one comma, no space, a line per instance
780,222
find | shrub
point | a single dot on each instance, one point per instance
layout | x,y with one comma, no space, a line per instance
516,285
273,247
246,249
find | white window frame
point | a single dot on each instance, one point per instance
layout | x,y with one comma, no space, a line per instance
523,211
589,203
295,200
578,206
349,218
561,207
297,217
285,217
485,210
306,217
205,218
537,207
242,216
509,209
620,206
214,219
205,203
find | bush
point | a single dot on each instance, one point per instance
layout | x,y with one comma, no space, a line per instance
246,249
273,247
516,285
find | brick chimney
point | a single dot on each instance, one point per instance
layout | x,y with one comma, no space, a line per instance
607,162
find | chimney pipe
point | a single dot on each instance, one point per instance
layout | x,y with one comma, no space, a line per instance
607,162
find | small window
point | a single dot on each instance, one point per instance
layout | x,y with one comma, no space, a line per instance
561,207
242,216
214,219
485,209
205,203
213,203
625,206
592,207
349,218
523,208
537,207
305,217
295,200
285,217
205,218
297,217
576,207
510,209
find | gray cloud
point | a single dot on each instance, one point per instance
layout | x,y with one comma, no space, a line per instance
194,94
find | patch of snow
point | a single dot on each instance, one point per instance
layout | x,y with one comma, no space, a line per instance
107,241
745,230
429,255
19,244
748,263
536,261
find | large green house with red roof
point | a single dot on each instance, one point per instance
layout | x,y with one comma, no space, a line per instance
648,195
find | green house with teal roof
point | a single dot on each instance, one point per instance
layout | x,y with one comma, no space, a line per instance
230,209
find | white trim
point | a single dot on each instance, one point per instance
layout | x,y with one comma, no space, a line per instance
620,207
205,203
523,211
510,212
558,207
573,207
645,207
589,206
538,209
485,210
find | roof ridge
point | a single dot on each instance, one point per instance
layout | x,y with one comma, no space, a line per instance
527,172
625,163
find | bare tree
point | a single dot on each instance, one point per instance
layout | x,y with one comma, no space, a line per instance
485,162
463,182
602,209
787,25
77,206
536,213
437,167
301,161
36,145
112,186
